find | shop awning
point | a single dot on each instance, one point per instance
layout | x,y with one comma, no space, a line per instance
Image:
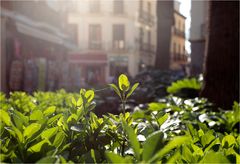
88,58
34,32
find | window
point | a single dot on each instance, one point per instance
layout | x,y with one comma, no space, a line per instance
95,36
94,6
179,25
118,36
118,7
141,5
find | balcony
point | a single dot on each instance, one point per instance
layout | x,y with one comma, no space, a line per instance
124,47
95,45
146,18
177,57
178,32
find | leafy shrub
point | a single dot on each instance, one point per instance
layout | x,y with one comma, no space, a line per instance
60,127
185,88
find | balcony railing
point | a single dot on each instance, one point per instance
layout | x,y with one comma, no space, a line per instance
108,46
178,32
95,45
179,57
146,17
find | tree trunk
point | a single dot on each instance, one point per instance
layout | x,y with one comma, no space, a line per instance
165,20
221,69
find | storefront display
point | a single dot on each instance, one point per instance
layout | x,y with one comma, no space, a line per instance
30,76
92,65
52,75
16,75
64,79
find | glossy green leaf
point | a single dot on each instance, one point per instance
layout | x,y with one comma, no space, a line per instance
138,115
72,117
4,117
80,101
91,156
63,160
207,138
174,158
50,110
92,152
237,158
23,118
54,118
59,139
47,160
82,92
132,139
37,147
187,154
74,101
18,133
197,150
228,141
192,131
114,87
15,133
185,83
89,95
123,82
200,132
36,115
132,89
115,158
31,129
175,142
215,142
18,122
47,134
162,119
152,145
214,157
156,106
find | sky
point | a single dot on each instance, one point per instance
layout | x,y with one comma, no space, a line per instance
185,9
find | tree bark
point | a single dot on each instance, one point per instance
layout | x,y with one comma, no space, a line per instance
221,69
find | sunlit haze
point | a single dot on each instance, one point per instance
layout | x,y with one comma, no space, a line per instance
185,9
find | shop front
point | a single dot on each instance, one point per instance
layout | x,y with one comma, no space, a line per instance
31,59
118,65
88,69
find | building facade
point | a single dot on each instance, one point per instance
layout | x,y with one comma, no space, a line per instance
118,36
199,12
178,57
171,53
